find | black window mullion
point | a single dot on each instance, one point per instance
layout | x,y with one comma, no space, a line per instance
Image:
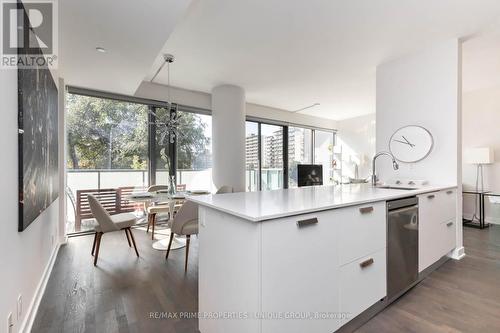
172,152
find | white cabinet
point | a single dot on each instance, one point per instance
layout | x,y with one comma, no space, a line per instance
362,230
300,272
437,226
335,263
362,284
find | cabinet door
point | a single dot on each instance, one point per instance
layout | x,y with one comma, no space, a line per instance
429,215
362,284
448,230
300,273
449,205
362,231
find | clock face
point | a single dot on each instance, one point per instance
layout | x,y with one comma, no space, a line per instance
411,143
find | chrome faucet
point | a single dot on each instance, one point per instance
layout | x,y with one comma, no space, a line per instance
395,165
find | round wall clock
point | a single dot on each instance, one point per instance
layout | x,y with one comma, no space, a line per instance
411,143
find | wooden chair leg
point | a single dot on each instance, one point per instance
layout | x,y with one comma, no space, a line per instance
188,238
128,237
133,241
98,245
153,222
149,222
93,245
169,244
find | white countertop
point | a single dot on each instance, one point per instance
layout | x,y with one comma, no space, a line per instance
266,205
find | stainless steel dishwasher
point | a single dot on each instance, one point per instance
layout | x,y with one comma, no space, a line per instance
402,245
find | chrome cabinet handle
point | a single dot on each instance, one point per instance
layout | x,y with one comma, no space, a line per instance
449,192
366,210
366,263
432,196
449,224
305,223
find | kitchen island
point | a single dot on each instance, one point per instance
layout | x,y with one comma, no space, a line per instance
308,259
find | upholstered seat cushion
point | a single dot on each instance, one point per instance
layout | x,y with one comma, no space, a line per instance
123,220
190,228
158,209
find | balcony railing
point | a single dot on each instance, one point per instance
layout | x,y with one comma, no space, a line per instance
98,179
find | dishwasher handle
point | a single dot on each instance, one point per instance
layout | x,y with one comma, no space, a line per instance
403,210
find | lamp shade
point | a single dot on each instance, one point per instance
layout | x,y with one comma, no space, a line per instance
482,155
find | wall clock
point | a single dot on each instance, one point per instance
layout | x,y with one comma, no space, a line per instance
411,143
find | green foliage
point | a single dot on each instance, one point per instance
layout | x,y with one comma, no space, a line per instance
109,134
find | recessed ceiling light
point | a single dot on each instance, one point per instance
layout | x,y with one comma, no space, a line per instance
100,49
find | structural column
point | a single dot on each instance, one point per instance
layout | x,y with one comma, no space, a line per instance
228,137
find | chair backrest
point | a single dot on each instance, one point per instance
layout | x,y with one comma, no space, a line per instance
224,189
188,212
154,188
123,205
107,197
101,215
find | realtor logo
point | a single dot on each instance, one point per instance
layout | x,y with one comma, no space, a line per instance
28,34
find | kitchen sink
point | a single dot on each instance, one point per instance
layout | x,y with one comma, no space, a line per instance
388,187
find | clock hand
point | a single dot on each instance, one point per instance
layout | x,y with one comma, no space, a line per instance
406,143
411,144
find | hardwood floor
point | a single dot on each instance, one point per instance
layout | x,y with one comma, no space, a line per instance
123,291
460,296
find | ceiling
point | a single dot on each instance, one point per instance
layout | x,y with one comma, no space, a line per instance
285,54
132,32
291,54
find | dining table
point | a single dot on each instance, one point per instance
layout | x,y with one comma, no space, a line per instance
163,197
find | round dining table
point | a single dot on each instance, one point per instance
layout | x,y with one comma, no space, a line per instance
155,198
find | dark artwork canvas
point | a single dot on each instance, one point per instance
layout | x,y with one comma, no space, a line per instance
38,143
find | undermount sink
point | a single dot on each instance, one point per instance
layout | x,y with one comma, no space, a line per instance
388,187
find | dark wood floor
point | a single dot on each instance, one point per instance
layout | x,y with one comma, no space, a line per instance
122,293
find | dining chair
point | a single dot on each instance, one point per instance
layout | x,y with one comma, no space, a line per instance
224,189
109,223
153,211
185,223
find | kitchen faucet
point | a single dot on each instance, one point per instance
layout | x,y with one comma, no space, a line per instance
395,165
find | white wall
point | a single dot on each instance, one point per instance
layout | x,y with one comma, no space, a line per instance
357,138
23,255
481,128
204,101
422,89
425,89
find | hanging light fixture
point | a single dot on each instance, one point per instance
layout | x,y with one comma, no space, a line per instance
167,126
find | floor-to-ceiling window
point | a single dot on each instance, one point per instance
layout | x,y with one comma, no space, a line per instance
273,152
115,146
299,151
107,149
194,151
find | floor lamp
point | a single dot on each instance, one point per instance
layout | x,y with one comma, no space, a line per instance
479,157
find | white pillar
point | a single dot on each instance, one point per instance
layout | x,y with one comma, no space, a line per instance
228,137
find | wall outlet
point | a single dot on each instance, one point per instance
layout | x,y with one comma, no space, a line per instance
10,323
19,307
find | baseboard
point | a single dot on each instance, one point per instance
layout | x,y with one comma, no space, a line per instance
29,318
457,254
487,219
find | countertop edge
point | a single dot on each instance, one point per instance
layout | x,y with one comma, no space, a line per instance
404,193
